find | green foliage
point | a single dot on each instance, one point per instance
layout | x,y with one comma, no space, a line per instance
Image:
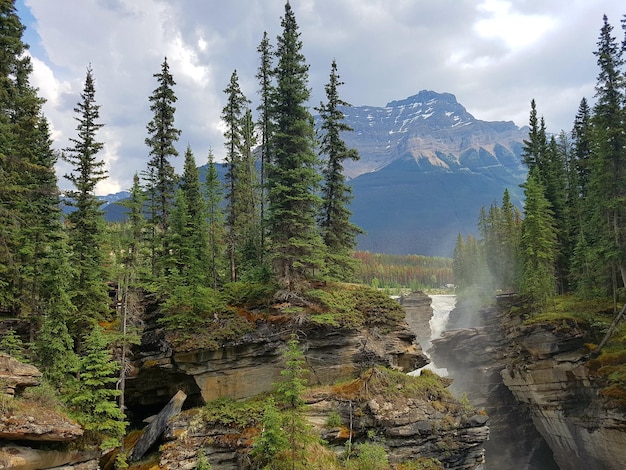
228,412
55,353
354,306
94,403
370,456
250,294
333,419
272,440
289,391
12,345
338,232
202,463
297,249
537,246
191,308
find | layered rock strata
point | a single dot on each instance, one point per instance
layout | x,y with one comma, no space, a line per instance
407,425
252,364
537,373
29,427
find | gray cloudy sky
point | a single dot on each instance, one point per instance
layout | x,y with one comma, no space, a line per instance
494,55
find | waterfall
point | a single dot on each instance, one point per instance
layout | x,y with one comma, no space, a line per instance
441,305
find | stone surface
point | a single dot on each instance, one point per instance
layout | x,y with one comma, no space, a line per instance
535,372
17,457
17,375
408,427
474,357
418,314
252,365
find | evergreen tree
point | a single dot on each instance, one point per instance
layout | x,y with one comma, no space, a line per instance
89,291
582,144
272,441
29,197
189,229
12,344
215,220
264,75
537,245
608,180
161,177
293,181
237,218
289,396
338,233
252,248
95,402
535,147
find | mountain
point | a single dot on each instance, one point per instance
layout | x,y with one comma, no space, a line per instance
427,167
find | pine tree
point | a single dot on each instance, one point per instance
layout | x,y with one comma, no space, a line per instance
289,397
89,291
215,219
29,210
252,249
293,181
188,233
95,402
266,90
608,179
537,245
160,176
338,233
535,147
236,219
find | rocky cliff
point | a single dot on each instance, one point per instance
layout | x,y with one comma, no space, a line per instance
251,363
536,372
412,422
33,435
410,419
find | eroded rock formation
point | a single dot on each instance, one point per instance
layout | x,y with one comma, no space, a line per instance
534,373
35,425
408,424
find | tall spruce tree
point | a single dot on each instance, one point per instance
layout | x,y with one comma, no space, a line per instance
338,233
537,245
265,75
297,247
86,223
161,177
215,219
29,197
95,402
608,179
251,194
236,219
189,229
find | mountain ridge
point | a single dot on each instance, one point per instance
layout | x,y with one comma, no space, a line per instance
426,168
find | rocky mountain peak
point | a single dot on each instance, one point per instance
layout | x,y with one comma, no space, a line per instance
429,108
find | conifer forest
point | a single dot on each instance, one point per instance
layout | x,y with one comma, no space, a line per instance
278,225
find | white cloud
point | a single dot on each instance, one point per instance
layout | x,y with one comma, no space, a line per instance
494,55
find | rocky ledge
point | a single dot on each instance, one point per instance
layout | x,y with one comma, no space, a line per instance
411,419
539,371
549,371
33,435
250,364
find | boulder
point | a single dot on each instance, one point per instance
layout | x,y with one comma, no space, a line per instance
15,375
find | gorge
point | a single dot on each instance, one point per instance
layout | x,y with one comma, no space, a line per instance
534,381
